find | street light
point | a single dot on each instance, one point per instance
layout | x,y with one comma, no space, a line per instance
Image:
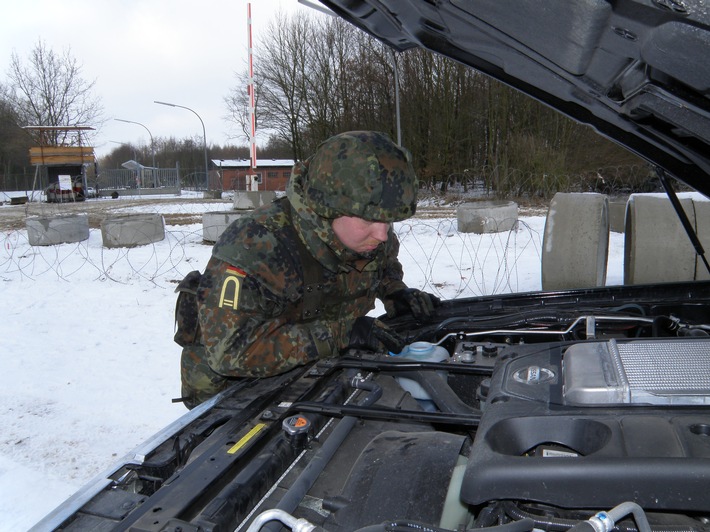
395,69
204,134
152,145
129,146
135,167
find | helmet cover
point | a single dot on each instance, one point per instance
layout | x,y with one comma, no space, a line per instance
362,174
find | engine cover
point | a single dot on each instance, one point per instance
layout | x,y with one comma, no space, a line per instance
596,424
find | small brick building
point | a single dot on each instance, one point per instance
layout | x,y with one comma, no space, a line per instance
269,174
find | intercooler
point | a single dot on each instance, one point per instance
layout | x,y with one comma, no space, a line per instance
662,372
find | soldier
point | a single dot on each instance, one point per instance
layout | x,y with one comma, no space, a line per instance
293,281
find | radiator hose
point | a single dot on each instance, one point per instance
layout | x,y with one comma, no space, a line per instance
293,497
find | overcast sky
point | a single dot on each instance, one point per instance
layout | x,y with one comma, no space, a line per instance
138,51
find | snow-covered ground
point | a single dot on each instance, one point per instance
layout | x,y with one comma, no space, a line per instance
88,364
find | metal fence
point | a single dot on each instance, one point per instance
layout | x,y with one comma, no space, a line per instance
121,179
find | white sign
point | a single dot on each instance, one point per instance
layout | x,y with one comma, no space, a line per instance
253,181
64,182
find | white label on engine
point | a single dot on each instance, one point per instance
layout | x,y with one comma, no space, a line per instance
557,453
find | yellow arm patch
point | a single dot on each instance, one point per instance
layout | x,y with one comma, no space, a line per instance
231,285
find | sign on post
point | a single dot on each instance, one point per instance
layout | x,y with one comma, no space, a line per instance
65,182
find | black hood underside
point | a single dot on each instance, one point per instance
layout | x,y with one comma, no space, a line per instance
636,71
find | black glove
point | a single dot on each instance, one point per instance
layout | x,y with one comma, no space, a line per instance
420,304
371,333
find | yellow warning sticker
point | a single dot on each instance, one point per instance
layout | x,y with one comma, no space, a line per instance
245,439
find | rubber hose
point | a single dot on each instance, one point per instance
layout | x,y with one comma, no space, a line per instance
294,495
625,508
558,524
523,525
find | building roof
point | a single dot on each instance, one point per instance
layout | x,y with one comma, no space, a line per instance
246,163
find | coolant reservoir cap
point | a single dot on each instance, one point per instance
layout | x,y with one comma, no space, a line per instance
296,425
297,430
489,350
424,352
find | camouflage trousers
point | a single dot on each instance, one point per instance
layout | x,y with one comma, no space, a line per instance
199,382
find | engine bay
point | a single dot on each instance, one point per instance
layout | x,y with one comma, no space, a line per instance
519,411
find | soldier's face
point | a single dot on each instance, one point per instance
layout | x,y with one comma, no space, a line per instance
360,235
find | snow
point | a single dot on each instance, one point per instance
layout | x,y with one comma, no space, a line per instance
88,363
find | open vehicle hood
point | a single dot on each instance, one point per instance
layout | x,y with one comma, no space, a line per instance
636,71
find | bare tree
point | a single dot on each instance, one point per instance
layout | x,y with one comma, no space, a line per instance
284,74
238,105
320,76
14,141
366,84
49,90
326,56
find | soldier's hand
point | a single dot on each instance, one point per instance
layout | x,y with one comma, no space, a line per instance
371,333
420,304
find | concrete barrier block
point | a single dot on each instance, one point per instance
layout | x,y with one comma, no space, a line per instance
487,216
656,247
214,223
575,242
59,229
251,199
130,230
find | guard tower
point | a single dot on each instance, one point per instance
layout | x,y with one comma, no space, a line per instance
61,159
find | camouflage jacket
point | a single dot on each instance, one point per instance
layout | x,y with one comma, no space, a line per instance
280,290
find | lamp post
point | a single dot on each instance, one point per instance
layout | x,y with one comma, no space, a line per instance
204,134
152,145
136,168
395,69
135,157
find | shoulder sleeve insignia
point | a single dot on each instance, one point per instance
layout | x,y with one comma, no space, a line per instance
229,295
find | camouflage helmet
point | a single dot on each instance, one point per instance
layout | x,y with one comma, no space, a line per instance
363,174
